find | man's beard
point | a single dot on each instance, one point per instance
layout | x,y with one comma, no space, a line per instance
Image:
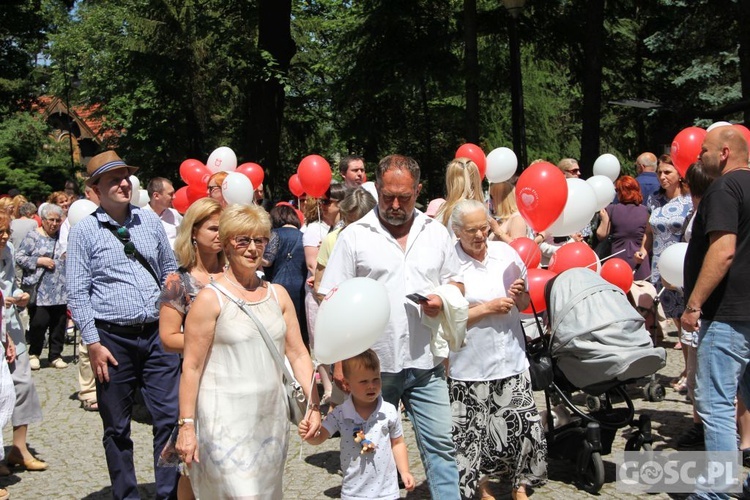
395,217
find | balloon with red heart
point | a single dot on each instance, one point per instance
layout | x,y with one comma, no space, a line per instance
686,146
194,173
253,171
295,186
541,194
315,175
475,154
180,200
618,272
529,251
570,255
537,280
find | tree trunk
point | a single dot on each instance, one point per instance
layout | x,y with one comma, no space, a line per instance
267,94
593,35
471,66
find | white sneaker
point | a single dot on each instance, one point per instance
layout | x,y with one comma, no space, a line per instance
59,363
34,362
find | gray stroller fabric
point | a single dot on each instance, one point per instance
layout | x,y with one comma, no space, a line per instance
596,335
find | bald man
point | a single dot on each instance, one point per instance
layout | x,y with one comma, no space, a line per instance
717,270
645,167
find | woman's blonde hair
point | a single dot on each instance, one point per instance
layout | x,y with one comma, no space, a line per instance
18,200
250,220
462,182
200,211
503,196
311,208
57,196
6,204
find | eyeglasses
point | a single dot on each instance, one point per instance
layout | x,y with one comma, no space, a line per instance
244,241
123,235
54,221
212,188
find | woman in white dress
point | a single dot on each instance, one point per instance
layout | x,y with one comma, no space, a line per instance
234,428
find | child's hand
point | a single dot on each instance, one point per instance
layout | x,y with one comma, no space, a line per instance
408,480
304,427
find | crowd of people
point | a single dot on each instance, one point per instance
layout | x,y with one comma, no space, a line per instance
195,310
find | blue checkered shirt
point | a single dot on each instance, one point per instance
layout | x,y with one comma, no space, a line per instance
106,284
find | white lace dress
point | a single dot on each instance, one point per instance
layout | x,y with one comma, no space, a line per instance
241,417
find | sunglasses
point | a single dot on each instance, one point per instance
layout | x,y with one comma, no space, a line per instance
575,171
123,235
244,241
326,201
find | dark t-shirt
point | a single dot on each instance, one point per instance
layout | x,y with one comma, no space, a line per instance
725,207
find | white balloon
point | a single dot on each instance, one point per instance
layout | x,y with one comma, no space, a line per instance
350,319
238,189
222,159
501,165
672,262
143,198
80,209
717,124
578,211
607,165
135,190
370,187
604,190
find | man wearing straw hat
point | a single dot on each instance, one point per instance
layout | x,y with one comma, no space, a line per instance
117,261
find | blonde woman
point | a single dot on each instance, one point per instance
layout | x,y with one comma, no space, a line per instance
462,182
506,223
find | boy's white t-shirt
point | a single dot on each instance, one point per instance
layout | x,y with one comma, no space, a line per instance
370,475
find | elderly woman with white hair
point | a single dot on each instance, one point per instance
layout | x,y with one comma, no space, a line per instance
496,427
42,260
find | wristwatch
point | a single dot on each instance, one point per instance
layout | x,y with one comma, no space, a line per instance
183,421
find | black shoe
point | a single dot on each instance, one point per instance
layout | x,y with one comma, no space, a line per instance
693,438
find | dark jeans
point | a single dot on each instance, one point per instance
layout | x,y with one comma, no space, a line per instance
43,317
142,362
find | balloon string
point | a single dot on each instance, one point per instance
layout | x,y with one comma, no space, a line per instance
610,256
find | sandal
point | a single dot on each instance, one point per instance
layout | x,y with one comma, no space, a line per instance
89,406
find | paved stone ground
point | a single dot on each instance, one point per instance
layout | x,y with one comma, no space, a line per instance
70,440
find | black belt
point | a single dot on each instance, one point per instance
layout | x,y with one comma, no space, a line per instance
126,329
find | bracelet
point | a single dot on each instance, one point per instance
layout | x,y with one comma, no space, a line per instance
315,407
692,309
183,421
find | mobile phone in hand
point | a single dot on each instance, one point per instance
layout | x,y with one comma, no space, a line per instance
417,298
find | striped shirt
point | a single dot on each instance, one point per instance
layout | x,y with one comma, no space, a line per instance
106,284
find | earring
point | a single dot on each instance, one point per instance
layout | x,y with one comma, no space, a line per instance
195,243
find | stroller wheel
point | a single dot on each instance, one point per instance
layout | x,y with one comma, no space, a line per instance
654,392
593,403
592,478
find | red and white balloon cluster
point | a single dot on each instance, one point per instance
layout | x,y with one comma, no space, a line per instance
238,186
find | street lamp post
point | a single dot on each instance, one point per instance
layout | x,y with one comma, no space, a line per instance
515,7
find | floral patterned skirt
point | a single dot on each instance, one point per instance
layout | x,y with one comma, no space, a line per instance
497,431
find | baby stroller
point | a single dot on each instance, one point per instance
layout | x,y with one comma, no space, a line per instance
597,344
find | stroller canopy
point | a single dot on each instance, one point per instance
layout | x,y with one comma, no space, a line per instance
596,335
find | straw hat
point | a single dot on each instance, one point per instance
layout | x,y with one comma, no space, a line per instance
103,163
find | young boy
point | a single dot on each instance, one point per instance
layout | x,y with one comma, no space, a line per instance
372,441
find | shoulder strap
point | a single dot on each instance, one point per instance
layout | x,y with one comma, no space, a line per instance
263,332
138,256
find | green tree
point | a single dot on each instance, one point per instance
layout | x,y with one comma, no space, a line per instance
30,159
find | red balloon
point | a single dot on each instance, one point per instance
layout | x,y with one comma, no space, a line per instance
619,273
180,200
475,154
194,173
571,255
537,279
541,194
254,172
315,175
686,146
194,194
745,131
295,187
529,251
